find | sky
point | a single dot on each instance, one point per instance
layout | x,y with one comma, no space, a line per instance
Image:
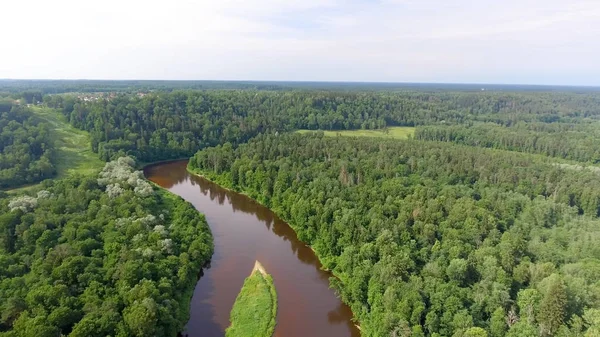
439,41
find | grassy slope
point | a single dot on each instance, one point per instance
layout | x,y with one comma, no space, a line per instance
254,312
395,132
73,149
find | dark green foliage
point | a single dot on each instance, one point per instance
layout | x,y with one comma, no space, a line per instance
565,140
63,102
5,105
552,310
431,236
32,96
163,126
26,149
428,239
85,260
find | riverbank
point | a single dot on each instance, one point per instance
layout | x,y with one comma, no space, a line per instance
246,231
142,165
225,184
254,312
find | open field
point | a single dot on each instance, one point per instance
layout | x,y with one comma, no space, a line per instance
73,149
394,132
255,309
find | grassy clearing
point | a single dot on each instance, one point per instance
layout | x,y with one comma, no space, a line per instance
73,147
254,312
394,132
74,151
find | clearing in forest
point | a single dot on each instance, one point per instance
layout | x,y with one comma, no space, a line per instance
394,132
73,147
254,312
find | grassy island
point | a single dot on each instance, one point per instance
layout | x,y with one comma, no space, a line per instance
255,309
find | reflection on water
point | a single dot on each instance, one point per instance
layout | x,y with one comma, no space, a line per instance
245,231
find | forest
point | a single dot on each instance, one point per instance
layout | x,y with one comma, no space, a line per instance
429,238
175,125
575,141
99,256
26,148
484,223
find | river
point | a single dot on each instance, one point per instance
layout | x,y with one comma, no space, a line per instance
244,231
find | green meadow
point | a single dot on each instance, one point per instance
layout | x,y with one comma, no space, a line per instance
73,150
394,132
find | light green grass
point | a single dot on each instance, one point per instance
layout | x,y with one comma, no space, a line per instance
73,147
254,312
394,132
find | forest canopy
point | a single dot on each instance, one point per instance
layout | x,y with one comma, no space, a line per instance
160,126
575,141
99,256
26,148
429,238
484,224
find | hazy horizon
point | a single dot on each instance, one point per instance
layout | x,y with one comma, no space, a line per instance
308,82
515,42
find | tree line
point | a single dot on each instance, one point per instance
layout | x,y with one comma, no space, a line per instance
433,239
163,125
564,140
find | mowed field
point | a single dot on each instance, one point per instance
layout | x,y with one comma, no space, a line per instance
395,132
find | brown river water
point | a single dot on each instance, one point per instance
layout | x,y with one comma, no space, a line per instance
244,231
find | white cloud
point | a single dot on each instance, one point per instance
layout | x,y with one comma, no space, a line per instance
533,41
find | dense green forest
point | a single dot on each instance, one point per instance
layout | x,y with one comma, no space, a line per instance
431,238
173,125
564,140
99,256
26,148
485,223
